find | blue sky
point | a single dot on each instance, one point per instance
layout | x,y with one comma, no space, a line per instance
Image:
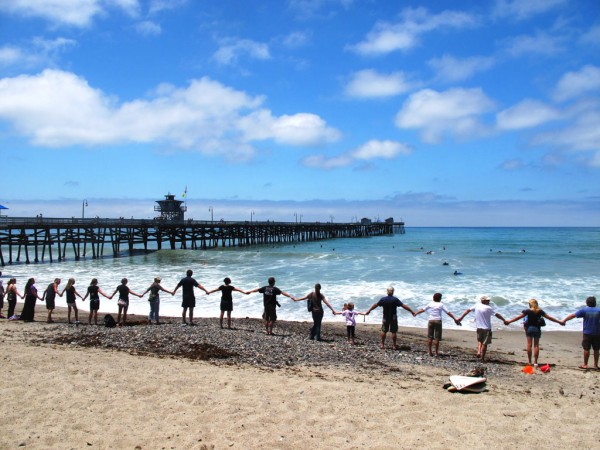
440,113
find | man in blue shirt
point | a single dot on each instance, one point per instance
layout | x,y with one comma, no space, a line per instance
390,315
591,330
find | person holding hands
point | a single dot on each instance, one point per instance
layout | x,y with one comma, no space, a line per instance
315,306
390,306
434,326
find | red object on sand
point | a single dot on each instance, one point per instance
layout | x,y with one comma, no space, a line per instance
528,369
545,368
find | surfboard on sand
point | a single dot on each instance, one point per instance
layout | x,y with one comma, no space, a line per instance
467,384
475,389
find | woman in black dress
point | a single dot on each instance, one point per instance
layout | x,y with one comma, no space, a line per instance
11,296
31,296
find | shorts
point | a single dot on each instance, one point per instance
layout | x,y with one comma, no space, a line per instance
188,302
270,313
390,324
94,305
533,332
484,336
226,305
434,330
591,341
1,301
50,304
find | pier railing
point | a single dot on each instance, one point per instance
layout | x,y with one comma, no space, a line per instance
37,239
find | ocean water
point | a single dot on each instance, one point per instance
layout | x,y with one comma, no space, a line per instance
557,266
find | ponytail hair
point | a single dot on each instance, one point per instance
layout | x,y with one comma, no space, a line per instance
318,291
533,305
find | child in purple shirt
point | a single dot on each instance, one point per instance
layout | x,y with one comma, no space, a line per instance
350,315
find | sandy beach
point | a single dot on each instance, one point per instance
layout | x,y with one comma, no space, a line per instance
65,395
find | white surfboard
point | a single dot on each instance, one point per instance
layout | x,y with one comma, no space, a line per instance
476,388
461,382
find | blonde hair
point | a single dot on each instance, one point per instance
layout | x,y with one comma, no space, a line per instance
533,305
70,283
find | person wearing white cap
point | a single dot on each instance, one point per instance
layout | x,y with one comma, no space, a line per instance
483,322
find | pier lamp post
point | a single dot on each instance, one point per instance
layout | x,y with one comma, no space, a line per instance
331,217
251,214
296,216
300,218
210,208
83,205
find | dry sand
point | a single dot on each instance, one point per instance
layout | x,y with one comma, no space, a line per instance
57,396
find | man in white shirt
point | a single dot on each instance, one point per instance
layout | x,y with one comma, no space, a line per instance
434,326
483,322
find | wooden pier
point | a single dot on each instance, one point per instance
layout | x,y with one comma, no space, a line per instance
47,239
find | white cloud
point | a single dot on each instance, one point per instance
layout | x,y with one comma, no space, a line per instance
592,37
581,136
10,55
302,129
526,114
232,49
148,28
295,39
369,84
512,164
157,6
450,69
37,53
575,84
307,9
388,37
453,112
523,9
53,45
540,43
322,162
78,13
373,149
58,109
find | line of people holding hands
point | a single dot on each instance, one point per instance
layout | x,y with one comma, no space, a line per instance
534,317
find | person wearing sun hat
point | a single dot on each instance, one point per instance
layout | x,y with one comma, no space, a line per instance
483,322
